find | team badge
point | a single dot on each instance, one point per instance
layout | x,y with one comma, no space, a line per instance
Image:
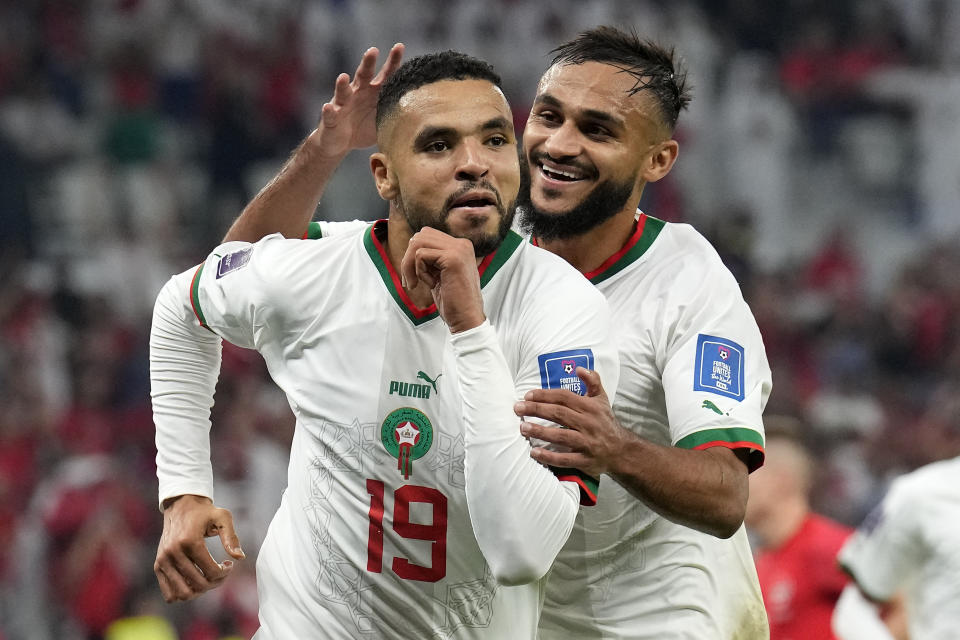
233,261
719,367
407,435
559,370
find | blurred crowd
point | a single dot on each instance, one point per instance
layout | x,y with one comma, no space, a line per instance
133,131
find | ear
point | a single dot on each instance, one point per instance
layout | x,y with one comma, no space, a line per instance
384,179
660,160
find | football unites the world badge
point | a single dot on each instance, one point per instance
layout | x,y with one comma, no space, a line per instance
407,435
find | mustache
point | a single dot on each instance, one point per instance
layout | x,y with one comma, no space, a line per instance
480,185
588,170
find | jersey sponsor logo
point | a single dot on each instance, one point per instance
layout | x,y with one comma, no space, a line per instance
414,389
407,435
712,407
233,261
719,367
558,370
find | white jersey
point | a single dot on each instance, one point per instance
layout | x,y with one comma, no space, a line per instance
693,374
909,545
373,537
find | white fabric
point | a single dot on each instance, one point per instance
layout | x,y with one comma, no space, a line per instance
909,545
856,618
341,346
626,572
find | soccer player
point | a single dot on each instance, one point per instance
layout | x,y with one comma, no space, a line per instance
797,552
413,508
664,554
904,558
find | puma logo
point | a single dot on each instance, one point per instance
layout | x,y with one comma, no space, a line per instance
709,405
433,383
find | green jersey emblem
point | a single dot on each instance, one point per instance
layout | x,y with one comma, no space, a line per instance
433,383
407,435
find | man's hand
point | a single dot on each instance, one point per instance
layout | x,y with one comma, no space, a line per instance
348,121
448,267
184,566
593,438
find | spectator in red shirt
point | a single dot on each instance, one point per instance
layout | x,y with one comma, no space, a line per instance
796,549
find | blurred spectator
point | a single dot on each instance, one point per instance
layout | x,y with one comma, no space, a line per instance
796,548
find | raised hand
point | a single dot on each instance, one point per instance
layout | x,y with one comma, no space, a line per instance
347,121
184,567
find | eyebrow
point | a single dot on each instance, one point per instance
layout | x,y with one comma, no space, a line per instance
593,114
431,132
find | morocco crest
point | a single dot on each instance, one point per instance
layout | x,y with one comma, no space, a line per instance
407,435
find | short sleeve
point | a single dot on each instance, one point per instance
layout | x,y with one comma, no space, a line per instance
716,377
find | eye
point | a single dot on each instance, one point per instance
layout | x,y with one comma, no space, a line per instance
547,116
498,140
596,131
437,146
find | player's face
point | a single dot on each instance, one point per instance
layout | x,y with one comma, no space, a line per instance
587,145
452,161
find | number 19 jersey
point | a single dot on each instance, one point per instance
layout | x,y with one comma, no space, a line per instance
373,538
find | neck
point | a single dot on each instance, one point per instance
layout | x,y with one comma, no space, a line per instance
781,525
589,250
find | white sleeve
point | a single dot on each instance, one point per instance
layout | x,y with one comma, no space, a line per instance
184,366
883,552
716,378
325,229
521,514
856,618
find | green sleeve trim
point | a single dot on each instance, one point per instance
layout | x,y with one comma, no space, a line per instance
313,232
195,297
589,486
731,438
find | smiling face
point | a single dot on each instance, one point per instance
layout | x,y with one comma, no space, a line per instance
590,145
449,161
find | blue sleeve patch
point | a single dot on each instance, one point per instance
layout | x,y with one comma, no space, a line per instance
719,367
233,261
558,370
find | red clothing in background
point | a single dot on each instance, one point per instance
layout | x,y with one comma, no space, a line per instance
801,580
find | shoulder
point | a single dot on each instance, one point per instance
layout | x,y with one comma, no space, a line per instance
689,253
546,274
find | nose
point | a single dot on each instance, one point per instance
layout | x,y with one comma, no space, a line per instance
563,142
472,162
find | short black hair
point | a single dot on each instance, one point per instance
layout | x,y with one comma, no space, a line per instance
427,69
655,68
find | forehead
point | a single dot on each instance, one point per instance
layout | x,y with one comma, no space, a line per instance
462,105
596,86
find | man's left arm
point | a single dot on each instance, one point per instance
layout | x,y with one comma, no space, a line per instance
715,380
521,512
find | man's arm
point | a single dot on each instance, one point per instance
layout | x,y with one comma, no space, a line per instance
347,122
521,513
706,490
184,365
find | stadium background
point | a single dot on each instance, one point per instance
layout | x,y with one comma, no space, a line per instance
819,155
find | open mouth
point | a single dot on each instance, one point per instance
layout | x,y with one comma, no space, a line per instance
561,173
474,200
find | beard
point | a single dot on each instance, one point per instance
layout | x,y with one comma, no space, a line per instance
484,242
605,201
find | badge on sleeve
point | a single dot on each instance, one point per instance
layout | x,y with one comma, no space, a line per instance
233,261
558,370
719,367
